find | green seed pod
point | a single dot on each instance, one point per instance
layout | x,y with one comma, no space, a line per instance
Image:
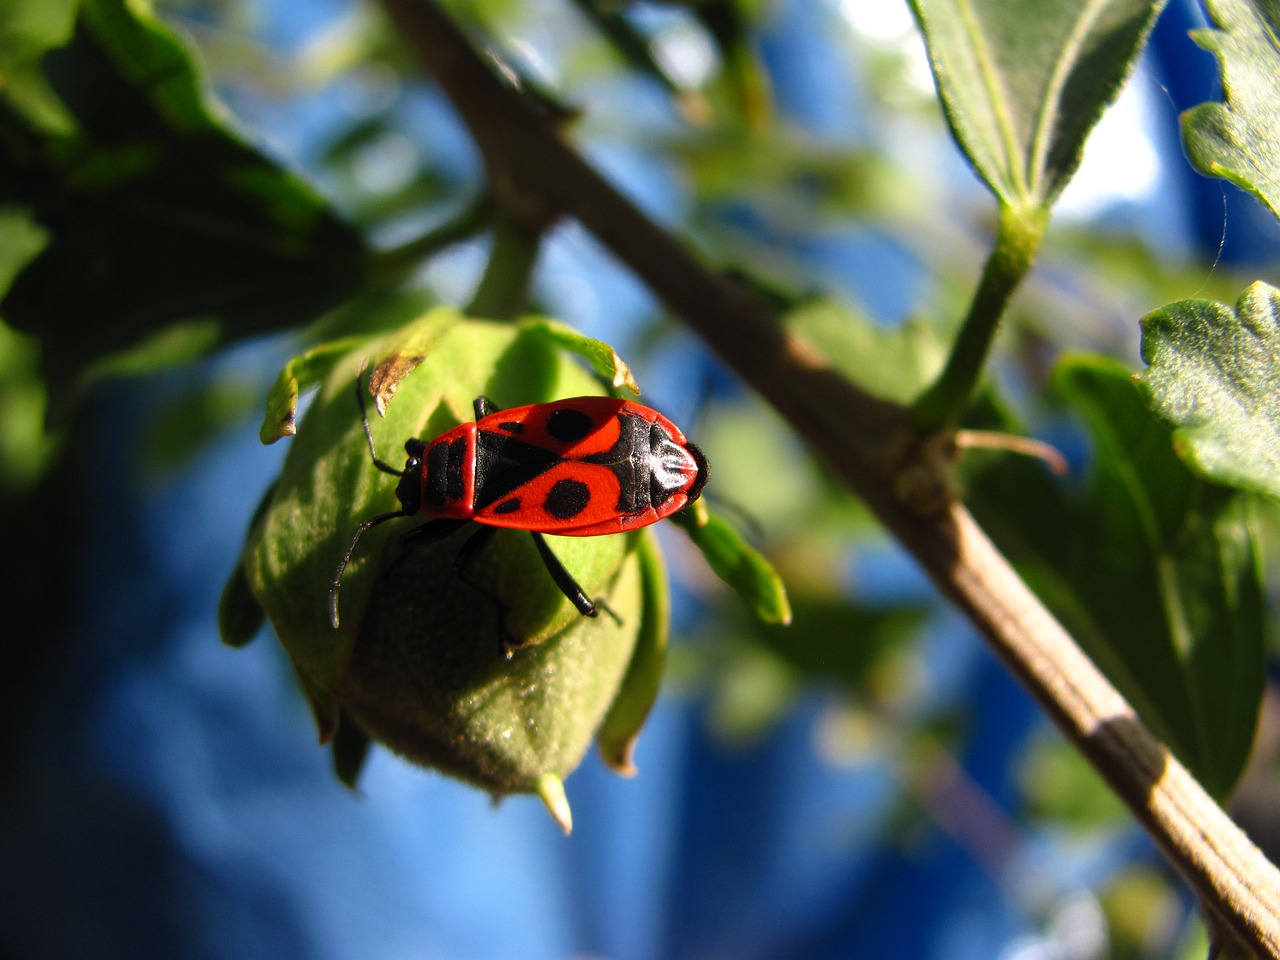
418,661
447,697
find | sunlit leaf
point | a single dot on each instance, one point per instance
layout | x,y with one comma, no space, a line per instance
1239,139
21,240
1022,83
740,566
602,357
1215,375
300,374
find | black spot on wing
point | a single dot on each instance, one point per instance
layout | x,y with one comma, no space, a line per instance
508,506
567,499
511,426
568,425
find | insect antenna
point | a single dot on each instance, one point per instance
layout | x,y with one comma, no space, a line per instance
368,434
336,584
369,524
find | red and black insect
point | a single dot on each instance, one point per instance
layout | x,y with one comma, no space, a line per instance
582,467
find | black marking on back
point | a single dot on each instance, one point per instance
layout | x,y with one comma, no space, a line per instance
567,499
650,464
629,460
511,426
568,425
508,506
444,473
504,464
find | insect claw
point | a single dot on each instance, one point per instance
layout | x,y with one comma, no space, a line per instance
599,605
508,643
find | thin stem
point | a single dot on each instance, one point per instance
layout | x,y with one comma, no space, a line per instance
1027,446
1018,239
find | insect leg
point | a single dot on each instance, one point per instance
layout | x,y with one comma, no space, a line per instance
433,531
564,579
471,549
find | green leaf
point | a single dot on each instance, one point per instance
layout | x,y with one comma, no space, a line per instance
743,568
26,448
1153,570
28,28
156,212
1215,375
350,748
240,616
21,240
602,357
299,375
1239,139
1022,84
639,689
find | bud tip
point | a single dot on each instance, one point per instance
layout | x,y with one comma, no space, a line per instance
551,789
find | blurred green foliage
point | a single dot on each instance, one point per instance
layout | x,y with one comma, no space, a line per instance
139,228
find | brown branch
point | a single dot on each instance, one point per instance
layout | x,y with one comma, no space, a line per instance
867,442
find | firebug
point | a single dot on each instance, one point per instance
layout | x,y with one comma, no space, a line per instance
579,467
